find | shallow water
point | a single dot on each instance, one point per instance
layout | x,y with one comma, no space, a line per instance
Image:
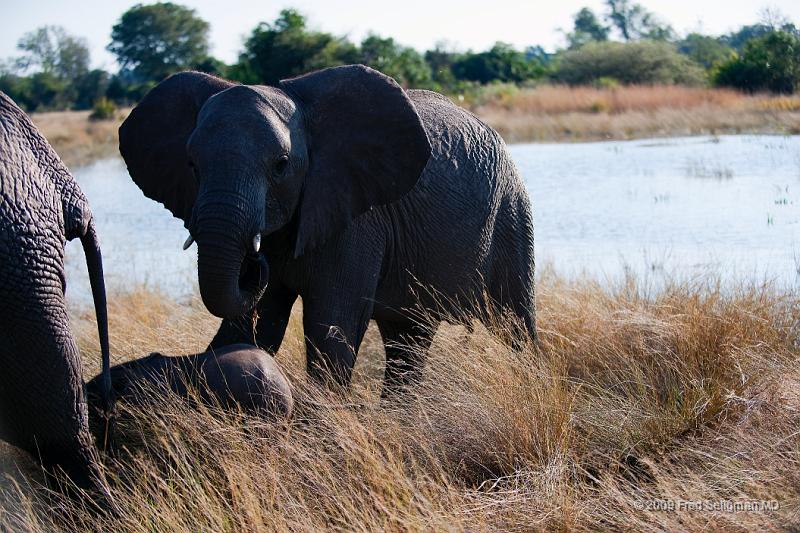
683,206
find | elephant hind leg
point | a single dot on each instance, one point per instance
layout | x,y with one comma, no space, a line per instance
43,408
406,345
511,316
511,282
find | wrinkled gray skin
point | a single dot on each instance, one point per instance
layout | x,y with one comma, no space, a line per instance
42,405
370,201
238,375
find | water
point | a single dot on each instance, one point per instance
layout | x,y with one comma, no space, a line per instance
684,206
141,241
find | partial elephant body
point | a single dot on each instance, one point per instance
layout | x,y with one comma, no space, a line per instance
238,375
459,245
368,201
42,405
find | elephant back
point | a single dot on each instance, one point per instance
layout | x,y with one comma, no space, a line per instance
34,179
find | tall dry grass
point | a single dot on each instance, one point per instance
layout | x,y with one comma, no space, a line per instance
552,112
77,139
686,393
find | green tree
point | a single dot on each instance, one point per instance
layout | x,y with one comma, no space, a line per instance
157,40
500,63
404,64
738,39
634,22
638,62
58,62
125,87
441,60
90,88
50,49
705,50
212,65
770,62
286,48
18,88
586,28
48,91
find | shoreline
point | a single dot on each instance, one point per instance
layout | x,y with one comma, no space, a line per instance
544,114
542,130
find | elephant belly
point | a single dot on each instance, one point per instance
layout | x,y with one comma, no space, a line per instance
439,257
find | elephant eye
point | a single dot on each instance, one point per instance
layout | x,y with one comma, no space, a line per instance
281,163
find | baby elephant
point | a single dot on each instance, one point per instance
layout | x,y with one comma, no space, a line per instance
235,375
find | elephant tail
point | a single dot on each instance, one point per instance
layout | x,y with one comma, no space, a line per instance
94,263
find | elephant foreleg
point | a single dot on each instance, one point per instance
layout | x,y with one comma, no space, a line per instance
337,309
332,343
406,346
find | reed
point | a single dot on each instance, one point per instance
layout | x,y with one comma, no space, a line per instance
563,113
685,393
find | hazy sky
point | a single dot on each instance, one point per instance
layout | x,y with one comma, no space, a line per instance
418,23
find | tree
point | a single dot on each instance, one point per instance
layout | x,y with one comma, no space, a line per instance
441,60
213,66
287,48
770,62
738,39
586,28
501,63
90,87
47,91
157,40
403,64
51,50
18,88
634,22
639,62
705,50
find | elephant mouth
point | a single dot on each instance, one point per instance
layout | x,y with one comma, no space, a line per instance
254,275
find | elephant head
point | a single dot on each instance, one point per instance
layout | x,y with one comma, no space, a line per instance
237,163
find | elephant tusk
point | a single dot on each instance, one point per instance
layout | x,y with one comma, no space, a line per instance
188,243
257,242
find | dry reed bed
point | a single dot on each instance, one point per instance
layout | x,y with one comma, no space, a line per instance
686,393
551,113
77,139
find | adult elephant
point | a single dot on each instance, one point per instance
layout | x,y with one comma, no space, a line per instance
339,186
43,407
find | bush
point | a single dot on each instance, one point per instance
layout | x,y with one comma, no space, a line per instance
104,109
640,62
771,62
501,63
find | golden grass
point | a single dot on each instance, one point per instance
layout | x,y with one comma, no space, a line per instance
563,113
78,140
686,393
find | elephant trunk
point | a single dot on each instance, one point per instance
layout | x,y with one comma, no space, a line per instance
231,275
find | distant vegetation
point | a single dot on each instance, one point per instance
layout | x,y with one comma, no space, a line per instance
633,63
625,45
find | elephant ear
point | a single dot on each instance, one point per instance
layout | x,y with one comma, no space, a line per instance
367,147
152,140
